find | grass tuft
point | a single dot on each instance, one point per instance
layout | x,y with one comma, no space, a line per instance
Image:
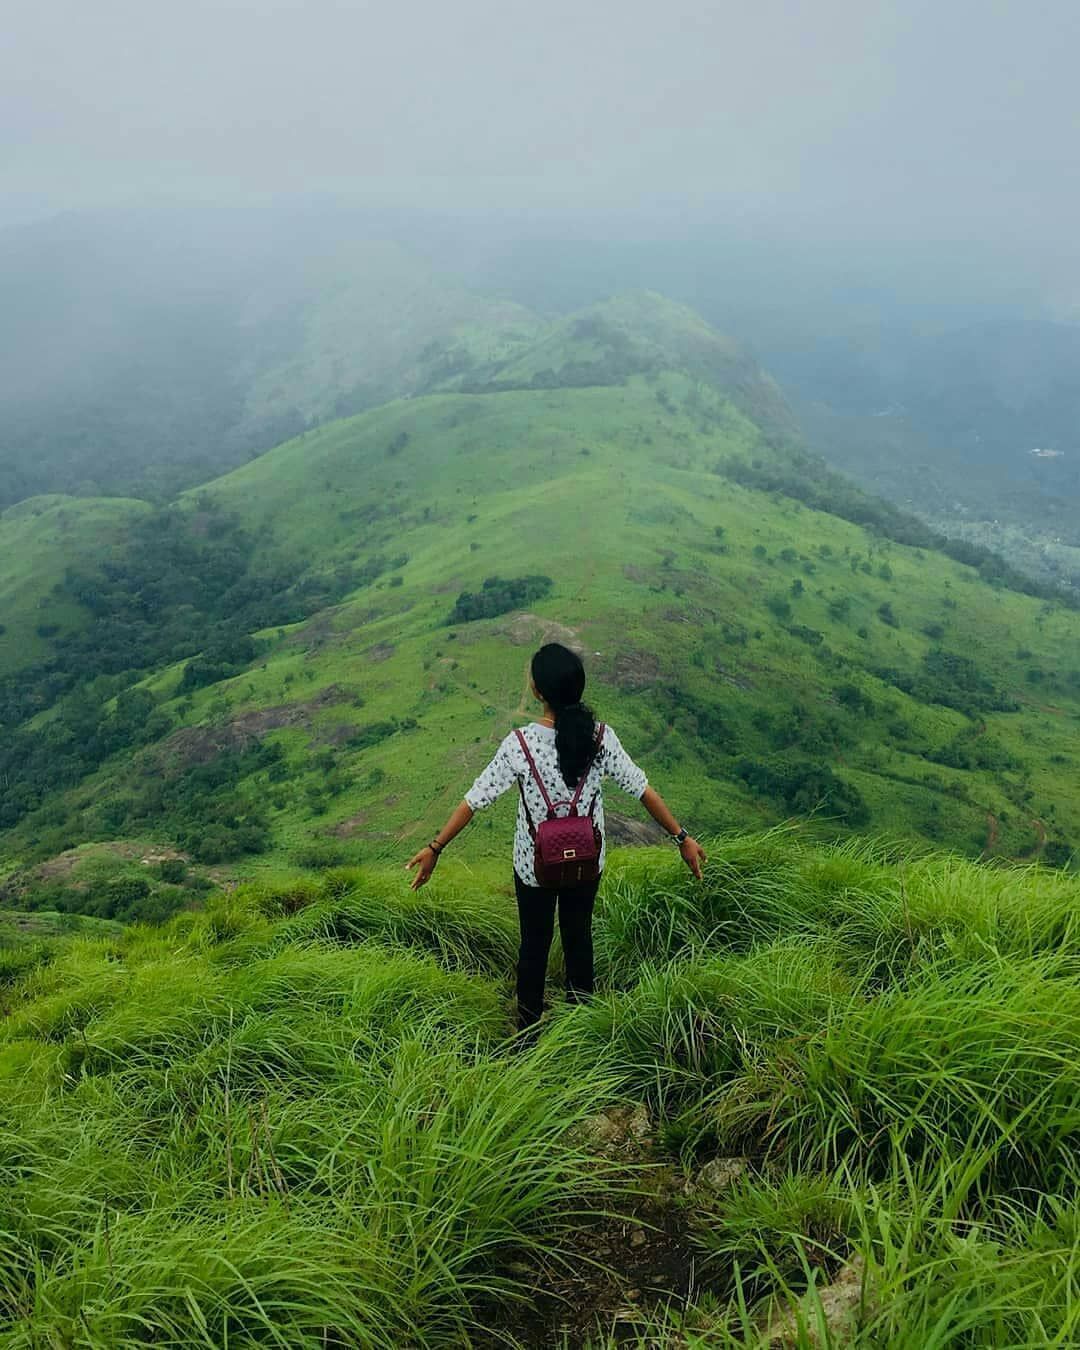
298,1116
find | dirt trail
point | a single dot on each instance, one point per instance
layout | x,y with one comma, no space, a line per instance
622,1266
1039,707
1040,842
993,833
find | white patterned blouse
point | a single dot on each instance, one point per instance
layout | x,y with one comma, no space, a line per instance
509,767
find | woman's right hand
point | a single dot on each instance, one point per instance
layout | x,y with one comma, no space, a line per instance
424,862
693,855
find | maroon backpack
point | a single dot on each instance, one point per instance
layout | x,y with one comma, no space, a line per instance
567,848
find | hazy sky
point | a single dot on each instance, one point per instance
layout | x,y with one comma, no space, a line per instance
893,119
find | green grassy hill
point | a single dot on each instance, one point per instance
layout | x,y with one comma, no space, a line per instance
762,659
184,342
368,321
39,540
828,1096
637,334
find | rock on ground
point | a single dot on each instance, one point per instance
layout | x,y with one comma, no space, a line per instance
840,1301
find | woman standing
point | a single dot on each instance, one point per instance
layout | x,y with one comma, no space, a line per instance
561,757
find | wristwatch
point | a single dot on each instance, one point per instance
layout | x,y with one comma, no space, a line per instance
681,837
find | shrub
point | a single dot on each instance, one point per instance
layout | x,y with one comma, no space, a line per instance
373,734
952,680
804,788
498,596
850,696
318,854
123,890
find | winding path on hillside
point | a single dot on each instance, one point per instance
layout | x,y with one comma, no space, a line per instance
993,833
1040,842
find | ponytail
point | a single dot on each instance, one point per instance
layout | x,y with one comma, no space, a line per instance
575,731
559,677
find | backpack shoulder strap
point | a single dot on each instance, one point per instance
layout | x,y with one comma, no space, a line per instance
535,773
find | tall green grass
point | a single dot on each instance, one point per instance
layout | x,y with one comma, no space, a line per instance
300,1117
317,1145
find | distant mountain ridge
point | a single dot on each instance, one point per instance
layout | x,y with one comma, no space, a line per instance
139,357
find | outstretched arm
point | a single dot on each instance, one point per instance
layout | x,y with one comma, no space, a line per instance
425,860
692,852
630,778
492,783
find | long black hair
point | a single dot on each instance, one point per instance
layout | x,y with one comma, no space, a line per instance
559,677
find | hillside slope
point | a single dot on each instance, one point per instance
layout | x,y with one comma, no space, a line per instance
179,345
634,334
39,540
380,584
144,352
364,320
722,623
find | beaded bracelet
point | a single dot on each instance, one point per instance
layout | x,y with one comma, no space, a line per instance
436,848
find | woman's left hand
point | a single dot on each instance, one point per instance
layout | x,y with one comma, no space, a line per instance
424,862
693,855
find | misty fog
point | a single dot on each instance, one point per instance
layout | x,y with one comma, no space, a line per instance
893,122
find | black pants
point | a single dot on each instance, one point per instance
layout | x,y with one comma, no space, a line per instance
536,914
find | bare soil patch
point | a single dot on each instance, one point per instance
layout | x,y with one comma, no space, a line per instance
695,615
336,735
729,677
62,867
199,745
345,829
634,669
1039,707
993,831
524,629
615,1268
1040,842
322,630
317,632
445,587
